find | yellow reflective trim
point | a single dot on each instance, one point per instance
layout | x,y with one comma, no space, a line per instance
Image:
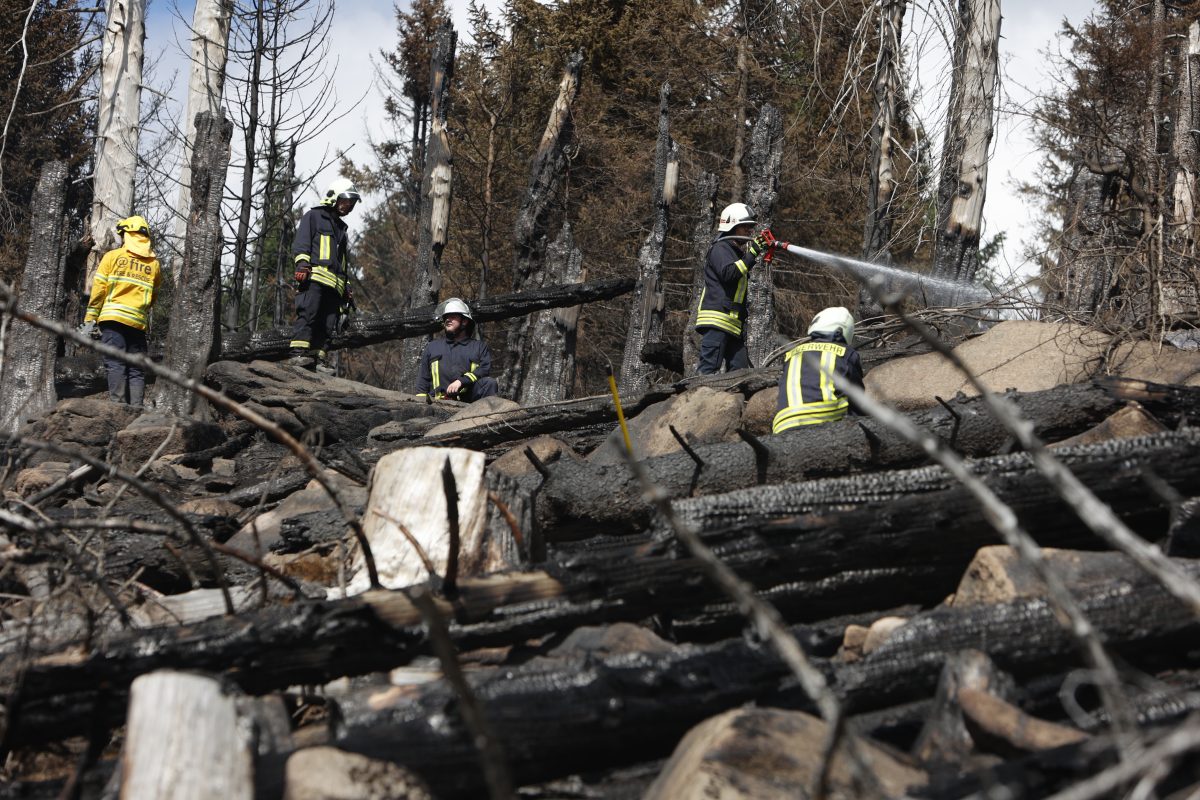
297,343
323,247
739,296
436,369
303,257
134,282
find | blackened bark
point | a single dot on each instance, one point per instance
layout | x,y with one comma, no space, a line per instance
194,336
368,329
550,374
435,197
533,219
30,354
763,161
648,308
702,236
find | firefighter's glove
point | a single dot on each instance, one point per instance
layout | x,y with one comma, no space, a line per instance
90,329
758,246
303,273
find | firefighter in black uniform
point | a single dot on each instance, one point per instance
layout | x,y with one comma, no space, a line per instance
321,250
458,365
807,395
722,312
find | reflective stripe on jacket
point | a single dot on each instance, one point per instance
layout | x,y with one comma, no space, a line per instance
444,362
807,395
123,289
723,300
322,242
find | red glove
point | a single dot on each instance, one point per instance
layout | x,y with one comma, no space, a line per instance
303,272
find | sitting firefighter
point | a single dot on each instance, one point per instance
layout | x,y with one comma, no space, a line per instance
807,395
456,365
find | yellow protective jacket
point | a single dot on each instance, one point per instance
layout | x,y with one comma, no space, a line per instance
124,286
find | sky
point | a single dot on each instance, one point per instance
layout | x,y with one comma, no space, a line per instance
363,28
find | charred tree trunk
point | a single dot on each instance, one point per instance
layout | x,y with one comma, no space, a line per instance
375,328
551,371
117,124
194,337
435,198
533,218
1182,290
963,182
702,236
27,370
877,233
648,308
764,159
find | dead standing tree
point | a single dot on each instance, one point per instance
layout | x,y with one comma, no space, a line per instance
435,197
117,124
648,309
529,232
763,160
551,350
963,182
27,372
193,338
702,236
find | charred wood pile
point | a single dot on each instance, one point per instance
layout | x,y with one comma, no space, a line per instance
326,589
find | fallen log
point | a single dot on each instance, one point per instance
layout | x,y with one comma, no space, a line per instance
812,567
580,499
368,329
592,711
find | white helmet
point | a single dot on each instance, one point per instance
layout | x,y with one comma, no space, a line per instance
340,189
453,306
833,319
733,215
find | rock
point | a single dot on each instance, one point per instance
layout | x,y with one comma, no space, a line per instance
702,416
547,448
82,423
1027,356
611,640
312,500
852,643
326,773
34,479
998,575
488,411
760,411
224,467
138,441
1132,420
879,632
764,753
1149,362
210,507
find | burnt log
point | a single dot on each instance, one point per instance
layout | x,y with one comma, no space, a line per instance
648,308
811,567
366,329
193,336
560,716
27,371
569,506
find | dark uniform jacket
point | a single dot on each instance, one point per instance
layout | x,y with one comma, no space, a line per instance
323,243
806,392
723,301
444,362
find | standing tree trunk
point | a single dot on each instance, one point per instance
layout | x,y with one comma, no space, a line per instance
764,159
193,337
287,231
737,183
648,309
702,236
27,371
877,232
1184,289
435,198
117,124
551,371
210,52
963,182
529,231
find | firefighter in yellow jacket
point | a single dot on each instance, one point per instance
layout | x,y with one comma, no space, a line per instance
122,294
807,393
